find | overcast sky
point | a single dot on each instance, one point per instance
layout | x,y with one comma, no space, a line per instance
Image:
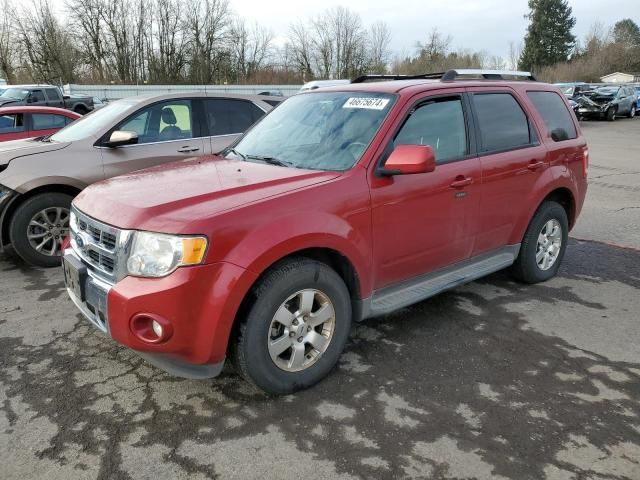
474,24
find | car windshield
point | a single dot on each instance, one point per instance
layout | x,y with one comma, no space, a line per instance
15,94
318,131
607,90
93,123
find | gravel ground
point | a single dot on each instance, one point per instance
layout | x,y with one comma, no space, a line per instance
489,381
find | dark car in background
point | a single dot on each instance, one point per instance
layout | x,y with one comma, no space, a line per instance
572,90
607,102
45,96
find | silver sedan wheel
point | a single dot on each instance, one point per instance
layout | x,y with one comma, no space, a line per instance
549,244
301,330
47,230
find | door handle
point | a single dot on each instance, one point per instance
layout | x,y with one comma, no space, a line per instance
535,165
188,149
461,182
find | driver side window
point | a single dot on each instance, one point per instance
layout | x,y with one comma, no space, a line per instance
161,122
440,124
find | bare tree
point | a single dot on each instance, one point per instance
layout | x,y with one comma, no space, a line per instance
515,52
7,43
300,48
250,48
168,58
46,43
207,28
379,40
86,18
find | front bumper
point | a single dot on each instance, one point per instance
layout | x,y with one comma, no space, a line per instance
199,302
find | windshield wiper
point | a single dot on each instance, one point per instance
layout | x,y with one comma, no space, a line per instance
270,160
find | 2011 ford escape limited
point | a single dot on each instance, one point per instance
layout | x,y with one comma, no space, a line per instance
339,205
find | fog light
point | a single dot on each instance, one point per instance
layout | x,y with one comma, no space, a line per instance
157,328
151,328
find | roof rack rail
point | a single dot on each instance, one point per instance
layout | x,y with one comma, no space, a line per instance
428,76
451,75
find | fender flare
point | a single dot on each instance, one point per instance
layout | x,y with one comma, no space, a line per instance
542,190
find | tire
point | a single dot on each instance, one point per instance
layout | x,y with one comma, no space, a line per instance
278,292
632,112
20,227
526,267
611,114
81,110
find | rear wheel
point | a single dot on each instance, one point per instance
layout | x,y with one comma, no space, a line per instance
296,329
632,112
544,244
38,228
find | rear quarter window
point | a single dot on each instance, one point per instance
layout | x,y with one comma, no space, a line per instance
555,115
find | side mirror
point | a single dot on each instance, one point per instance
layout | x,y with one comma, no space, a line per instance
30,99
121,137
409,159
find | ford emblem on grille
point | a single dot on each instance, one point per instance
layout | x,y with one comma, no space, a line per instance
82,241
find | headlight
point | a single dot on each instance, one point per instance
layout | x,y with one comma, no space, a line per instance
157,254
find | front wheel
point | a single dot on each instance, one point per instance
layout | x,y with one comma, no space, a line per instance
611,114
38,228
544,244
296,328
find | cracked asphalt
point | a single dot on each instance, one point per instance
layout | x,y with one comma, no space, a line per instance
493,380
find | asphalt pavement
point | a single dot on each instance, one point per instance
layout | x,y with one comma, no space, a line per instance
492,380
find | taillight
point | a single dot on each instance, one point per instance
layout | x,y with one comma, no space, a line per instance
585,162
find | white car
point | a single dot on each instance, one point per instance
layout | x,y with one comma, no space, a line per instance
315,84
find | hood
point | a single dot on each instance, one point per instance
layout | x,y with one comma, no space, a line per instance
7,101
168,198
598,99
21,148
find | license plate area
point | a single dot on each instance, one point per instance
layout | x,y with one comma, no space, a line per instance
75,276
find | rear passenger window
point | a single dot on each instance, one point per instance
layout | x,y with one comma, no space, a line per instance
440,124
47,121
502,122
555,114
228,116
38,96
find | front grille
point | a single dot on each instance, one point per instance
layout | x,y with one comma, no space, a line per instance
99,236
99,247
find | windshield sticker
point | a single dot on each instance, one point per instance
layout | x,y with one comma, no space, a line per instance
369,103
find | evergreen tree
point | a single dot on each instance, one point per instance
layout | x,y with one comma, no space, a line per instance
627,33
549,39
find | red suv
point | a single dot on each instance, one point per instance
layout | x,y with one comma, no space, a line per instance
341,204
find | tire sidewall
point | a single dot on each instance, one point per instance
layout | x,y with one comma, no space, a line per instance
20,222
259,365
548,211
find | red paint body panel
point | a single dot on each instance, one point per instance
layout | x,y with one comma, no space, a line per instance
199,302
28,132
389,228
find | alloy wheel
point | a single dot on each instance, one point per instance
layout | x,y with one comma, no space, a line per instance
301,330
47,229
549,244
